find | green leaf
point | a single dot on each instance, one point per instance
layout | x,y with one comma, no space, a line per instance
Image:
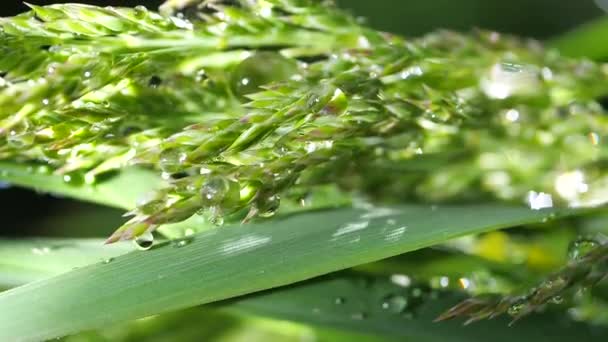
588,40
122,190
232,261
335,301
315,302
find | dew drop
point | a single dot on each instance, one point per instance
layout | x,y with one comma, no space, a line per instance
220,190
539,200
73,178
20,139
144,242
580,247
516,309
181,243
339,300
108,260
140,12
201,75
260,69
359,316
401,280
172,160
268,206
557,300
394,303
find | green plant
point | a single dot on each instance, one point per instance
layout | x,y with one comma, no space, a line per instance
360,145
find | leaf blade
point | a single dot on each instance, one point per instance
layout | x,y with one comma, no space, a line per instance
223,263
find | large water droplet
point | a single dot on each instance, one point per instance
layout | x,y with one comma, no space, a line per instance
268,206
144,241
140,12
172,160
220,190
507,79
260,69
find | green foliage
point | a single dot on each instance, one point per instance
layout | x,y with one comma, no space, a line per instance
424,112
238,111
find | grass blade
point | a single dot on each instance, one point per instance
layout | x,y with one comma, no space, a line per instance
225,263
588,40
315,302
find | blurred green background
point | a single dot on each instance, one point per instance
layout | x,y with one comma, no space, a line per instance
534,18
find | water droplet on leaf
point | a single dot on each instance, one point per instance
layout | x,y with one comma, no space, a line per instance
394,303
144,241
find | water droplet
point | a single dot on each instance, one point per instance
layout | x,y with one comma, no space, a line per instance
394,303
74,178
172,160
144,241
507,79
512,115
539,200
411,72
417,292
140,12
516,309
108,260
45,102
557,300
313,146
268,206
401,280
220,190
201,75
580,247
41,250
339,300
20,138
87,74
260,69
214,215
181,243
440,282
359,316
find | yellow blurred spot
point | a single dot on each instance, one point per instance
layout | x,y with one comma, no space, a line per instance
493,246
